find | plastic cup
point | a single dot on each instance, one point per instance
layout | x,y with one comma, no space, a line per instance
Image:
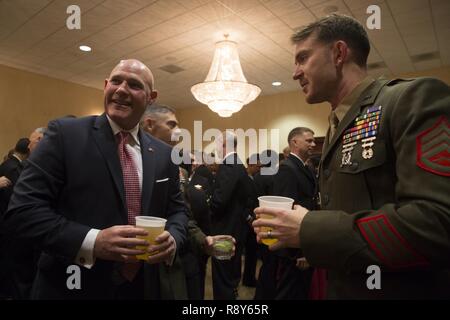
154,226
222,247
273,202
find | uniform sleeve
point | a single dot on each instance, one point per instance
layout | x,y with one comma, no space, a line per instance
412,232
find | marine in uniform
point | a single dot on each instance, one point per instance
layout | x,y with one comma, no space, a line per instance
384,175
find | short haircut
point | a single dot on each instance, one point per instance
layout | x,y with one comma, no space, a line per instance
297,131
157,109
22,146
338,27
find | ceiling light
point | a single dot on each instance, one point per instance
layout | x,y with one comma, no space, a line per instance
276,83
225,89
85,48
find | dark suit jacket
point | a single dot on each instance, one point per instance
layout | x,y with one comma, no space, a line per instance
263,184
229,200
197,195
72,183
11,169
296,181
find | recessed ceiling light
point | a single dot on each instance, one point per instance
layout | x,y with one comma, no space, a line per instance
276,83
85,48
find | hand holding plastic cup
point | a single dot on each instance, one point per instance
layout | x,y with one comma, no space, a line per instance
223,247
273,202
154,226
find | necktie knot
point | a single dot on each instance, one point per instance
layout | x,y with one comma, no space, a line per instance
123,137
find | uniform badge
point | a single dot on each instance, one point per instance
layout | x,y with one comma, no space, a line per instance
347,153
433,148
367,151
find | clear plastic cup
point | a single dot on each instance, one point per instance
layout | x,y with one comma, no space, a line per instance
273,202
223,247
154,226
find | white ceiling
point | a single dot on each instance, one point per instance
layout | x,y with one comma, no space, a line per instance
34,37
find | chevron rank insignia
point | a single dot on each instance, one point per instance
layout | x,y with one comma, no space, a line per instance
433,148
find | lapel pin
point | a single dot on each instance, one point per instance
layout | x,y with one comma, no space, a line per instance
150,149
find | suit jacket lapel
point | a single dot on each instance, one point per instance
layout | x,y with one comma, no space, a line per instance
148,170
106,143
366,98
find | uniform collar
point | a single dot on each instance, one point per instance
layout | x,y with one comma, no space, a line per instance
346,103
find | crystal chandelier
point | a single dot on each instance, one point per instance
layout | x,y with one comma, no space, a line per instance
225,89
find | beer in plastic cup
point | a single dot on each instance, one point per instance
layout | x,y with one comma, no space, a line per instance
154,226
273,202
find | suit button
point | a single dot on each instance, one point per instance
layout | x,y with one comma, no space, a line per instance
326,173
325,199
354,166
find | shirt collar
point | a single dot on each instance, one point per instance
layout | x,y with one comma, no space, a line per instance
298,158
20,160
116,129
346,103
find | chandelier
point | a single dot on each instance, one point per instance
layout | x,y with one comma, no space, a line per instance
225,89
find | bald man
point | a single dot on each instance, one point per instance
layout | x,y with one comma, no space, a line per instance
77,198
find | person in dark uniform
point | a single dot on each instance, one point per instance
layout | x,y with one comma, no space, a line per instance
10,170
384,174
266,282
295,180
228,207
251,246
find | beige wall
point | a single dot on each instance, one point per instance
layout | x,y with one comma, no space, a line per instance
28,101
283,111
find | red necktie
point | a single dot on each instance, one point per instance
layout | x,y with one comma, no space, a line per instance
132,195
130,179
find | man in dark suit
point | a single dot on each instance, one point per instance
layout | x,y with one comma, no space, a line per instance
82,188
251,246
296,181
383,229
228,206
10,170
22,257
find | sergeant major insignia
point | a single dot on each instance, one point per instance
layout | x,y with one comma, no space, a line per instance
433,148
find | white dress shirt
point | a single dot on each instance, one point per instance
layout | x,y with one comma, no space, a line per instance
85,256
